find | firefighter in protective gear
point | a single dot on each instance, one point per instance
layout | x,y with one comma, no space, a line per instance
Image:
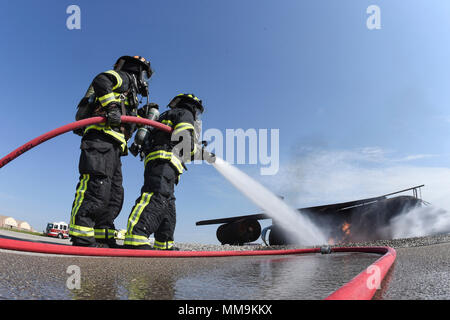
99,193
165,155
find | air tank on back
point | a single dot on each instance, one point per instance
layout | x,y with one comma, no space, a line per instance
151,112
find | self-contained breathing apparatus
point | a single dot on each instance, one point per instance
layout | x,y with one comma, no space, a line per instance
149,111
143,138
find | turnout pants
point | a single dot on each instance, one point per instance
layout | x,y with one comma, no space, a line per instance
99,194
154,211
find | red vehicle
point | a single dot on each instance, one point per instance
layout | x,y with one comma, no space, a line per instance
58,230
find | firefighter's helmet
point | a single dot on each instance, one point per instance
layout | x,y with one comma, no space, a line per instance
134,64
187,97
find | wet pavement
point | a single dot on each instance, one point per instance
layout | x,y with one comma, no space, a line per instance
311,276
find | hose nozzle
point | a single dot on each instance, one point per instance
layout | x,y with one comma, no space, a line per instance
209,156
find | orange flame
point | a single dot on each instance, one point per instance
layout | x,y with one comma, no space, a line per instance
346,228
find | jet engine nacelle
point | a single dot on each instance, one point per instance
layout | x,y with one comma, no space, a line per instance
239,232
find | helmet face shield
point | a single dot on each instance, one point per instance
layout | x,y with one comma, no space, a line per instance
143,82
146,76
198,114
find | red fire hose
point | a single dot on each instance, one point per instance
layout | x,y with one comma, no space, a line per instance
72,126
361,287
365,284
48,248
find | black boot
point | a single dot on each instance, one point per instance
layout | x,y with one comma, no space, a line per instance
110,243
141,247
173,248
84,244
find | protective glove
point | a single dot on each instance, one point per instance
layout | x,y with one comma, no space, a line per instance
79,132
113,115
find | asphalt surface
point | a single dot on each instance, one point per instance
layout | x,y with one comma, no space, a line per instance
421,271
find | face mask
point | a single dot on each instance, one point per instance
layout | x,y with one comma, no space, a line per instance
143,80
145,77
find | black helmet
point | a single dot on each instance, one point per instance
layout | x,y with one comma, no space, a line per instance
187,98
135,64
138,66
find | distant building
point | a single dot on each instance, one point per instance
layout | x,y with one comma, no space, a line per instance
8,222
23,225
11,223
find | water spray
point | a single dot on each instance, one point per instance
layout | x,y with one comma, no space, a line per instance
301,227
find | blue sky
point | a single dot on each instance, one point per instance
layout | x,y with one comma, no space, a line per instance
376,100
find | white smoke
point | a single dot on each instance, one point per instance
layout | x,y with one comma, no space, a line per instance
319,177
422,221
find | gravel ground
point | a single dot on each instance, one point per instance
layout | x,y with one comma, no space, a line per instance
396,243
418,273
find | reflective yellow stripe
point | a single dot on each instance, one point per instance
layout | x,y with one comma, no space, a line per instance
118,78
167,122
181,129
79,196
194,151
183,126
137,211
190,96
101,233
81,231
82,228
163,245
108,98
106,129
136,240
161,154
177,163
